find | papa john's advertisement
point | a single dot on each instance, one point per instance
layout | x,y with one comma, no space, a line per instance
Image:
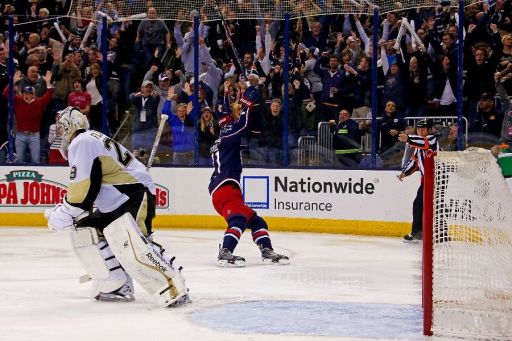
32,189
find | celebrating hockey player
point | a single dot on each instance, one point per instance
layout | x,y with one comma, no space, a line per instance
226,193
114,243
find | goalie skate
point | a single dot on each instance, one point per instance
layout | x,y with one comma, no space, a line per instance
227,259
123,294
268,256
183,300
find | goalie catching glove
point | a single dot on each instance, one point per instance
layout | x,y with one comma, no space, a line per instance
62,217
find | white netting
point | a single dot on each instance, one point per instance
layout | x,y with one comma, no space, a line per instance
472,252
248,9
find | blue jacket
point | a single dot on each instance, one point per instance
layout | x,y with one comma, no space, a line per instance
182,132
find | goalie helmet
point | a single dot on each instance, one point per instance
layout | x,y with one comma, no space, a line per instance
70,120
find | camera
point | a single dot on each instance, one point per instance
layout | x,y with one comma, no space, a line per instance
142,152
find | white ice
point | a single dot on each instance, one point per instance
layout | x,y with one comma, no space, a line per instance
337,287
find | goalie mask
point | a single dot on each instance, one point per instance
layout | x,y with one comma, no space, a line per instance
70,120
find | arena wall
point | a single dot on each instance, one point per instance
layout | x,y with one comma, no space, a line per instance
303,200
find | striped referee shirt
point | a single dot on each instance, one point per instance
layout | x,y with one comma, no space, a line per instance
421,145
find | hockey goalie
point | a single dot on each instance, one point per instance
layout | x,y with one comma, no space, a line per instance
114,242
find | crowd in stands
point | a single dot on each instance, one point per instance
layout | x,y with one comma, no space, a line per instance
150,71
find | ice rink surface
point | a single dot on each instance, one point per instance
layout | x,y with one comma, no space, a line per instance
337,287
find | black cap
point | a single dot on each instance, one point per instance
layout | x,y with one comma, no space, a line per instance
423,124
486,95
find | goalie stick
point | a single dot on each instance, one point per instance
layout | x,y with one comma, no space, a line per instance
163,118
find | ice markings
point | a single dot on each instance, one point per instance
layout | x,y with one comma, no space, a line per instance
365,320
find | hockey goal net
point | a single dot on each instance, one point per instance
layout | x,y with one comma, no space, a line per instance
467,247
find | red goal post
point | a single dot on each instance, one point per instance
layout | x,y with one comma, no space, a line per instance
467,247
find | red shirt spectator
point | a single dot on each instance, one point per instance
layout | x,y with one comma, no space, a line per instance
79,98
28,109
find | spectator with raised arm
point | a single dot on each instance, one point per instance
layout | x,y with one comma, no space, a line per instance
65,73
34,80
153,34
181,126
80,99
332,81
28,111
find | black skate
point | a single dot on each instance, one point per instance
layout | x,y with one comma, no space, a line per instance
268,256
413,238
227,259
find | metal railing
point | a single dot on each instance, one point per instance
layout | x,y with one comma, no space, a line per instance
312,150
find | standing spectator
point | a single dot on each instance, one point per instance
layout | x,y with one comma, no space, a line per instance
480,72
416,86
153,34
55,156
332,81
186,46
93,85
394,84
273,134
421,142
4,80
315,35
65,74
28,111
34,80
390,126
226,191
445,87
208,129
314,79
182,130
80,99
163,87
145,120
347,139
488,118
362,89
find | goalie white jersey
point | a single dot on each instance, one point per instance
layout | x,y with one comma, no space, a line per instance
103,172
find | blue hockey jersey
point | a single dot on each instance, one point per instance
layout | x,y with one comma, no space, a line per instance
225,153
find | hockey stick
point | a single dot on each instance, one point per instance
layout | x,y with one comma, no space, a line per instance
228,36
163,119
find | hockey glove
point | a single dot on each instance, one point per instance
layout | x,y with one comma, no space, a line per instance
61,217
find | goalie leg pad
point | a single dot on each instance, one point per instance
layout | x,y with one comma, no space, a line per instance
145,262
98,260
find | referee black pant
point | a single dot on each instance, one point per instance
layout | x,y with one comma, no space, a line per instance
417,212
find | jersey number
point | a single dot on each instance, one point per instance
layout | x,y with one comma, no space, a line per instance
125,158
